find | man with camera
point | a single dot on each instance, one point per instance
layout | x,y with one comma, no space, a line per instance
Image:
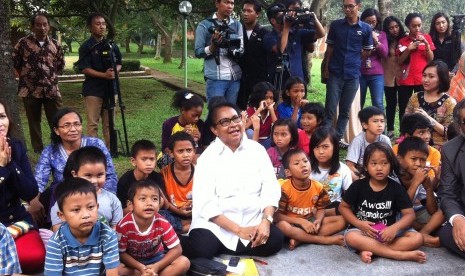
95,61
294,32
219,40
253,62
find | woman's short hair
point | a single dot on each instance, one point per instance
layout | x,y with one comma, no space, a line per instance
443,74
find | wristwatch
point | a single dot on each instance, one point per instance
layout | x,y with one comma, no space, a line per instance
268,218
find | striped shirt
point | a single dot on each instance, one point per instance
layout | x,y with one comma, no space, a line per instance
67,256
9,262
145,245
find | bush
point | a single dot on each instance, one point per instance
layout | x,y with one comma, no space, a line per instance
130,65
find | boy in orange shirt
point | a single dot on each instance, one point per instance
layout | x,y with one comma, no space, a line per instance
178,179
301,213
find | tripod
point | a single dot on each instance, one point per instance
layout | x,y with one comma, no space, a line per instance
458,21
282,67
109,104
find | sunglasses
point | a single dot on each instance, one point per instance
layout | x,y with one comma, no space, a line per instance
225,122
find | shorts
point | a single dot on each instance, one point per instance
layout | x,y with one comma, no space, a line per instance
400,233
311,219
335,205
422,216
153,259
173,219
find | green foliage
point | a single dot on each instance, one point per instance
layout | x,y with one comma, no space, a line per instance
130,65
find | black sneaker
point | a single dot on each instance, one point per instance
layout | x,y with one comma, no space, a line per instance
343,144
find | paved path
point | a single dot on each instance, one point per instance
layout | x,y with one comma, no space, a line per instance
177,82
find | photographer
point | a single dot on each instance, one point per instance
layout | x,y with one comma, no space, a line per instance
95,63
288,41
219,40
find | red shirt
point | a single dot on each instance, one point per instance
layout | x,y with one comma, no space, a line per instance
265,124
412,71
147,244
304,141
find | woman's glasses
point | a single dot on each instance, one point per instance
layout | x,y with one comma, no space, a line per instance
68,126
225,122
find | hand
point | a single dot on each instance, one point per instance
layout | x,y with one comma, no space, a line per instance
317,224
216,39
458,232
270,106
262,234
37,211
109,74
196,134
303,102
5,152
413,45
247,233
420,176
186,210
421,38
255,122
365,227
244,117
155,268
147,271
308,226
261,106
388,234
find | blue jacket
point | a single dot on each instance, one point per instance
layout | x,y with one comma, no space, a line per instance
228,68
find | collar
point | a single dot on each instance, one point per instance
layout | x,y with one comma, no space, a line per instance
220,147
359,22
33,37
230,19
73,242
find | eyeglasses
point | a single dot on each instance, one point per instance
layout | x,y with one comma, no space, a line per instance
68,126
225,122
349,6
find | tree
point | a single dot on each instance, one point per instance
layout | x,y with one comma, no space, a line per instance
7,79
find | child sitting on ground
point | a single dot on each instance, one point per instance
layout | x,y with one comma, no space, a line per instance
311,119
82,243
9,264
90,163
326,167
285,137
293,100
143,159
417,125
414,176
301,213
262,107
178,177
372,120
144,233
371,206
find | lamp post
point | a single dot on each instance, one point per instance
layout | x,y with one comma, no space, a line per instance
185,8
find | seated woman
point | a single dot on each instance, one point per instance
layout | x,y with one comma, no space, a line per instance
17,183
66,138
235,194
434,103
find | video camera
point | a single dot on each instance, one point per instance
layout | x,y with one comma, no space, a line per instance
233,45
302,17
107,48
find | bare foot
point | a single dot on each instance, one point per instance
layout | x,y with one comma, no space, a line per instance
293,244
415,256
431,241
332,240
365,256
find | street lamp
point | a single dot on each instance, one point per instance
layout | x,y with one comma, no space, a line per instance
185,8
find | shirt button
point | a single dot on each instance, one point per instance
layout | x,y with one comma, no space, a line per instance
11,217
18,172
2,179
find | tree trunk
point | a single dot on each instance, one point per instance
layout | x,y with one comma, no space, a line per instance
168,49
140,47
7,81
385,8
158,47
127,41
69,43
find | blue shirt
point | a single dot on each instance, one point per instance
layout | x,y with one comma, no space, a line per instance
67,256
348,41
53,160
9,262
285,111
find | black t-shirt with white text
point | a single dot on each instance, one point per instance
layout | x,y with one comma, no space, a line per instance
382,206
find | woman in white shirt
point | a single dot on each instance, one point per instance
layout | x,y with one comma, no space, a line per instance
235,194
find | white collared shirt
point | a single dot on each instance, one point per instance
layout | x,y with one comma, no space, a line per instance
236,184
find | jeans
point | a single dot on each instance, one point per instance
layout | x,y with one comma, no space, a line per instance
376,85
224,88
339,92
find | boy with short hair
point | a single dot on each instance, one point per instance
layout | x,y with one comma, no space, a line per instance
82,243
417,125
311,118
144,159
178,177
372,120
414,176
301,213
143,234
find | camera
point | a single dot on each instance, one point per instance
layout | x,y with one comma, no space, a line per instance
233,45
303,17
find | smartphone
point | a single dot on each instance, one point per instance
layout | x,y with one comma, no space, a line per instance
234,261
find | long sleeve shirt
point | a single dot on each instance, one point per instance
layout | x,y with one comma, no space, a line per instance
238,185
